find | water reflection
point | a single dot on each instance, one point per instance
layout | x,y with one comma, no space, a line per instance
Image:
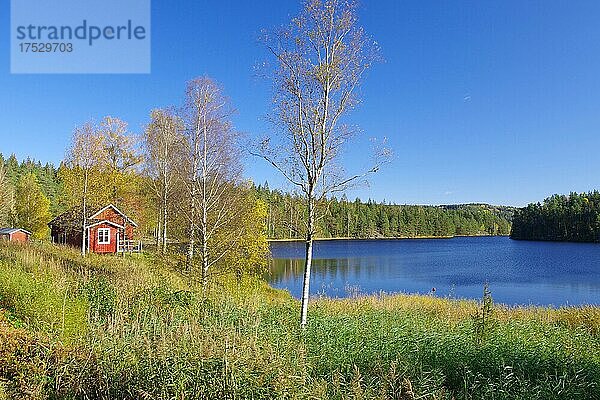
518,272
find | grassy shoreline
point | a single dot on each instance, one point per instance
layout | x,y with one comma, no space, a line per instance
123,327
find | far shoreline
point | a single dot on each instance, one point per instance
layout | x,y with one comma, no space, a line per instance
382,238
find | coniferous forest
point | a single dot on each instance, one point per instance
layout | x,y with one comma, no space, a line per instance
359,219
574,218
46,175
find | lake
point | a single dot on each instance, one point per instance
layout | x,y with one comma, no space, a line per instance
518,272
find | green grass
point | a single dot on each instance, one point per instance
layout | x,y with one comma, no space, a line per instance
112,327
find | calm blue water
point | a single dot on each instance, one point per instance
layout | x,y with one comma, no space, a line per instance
518,272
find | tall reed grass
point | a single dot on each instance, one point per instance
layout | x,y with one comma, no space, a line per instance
108,327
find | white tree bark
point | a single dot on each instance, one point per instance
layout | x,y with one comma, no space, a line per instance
321,57
308,263
211,172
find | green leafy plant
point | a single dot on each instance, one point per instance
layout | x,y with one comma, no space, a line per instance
483,318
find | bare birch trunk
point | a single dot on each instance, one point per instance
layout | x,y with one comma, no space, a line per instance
192,228
204,252
165,195
164,231
204,213
158,230
84,216
308,265
165,216
192,236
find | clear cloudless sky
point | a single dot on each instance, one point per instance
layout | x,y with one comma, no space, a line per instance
481,101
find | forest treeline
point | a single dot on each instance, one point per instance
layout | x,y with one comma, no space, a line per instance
359,219
575,218
342,218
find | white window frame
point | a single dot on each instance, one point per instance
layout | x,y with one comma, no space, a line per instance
101,235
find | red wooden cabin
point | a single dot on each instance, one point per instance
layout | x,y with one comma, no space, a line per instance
15,235
107,230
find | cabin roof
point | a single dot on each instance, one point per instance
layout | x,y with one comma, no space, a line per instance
10,231
116,210
104,222
72,220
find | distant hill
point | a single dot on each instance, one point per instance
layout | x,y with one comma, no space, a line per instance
505,212
358,219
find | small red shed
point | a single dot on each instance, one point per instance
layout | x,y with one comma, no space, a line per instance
107,230
15,235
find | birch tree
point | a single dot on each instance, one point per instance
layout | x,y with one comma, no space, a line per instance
161,142
121,156
32,207
84,163
320,60
211,173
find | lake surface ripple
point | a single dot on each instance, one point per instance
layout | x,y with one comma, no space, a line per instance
518,272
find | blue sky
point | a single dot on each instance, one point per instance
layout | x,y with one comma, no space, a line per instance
481,101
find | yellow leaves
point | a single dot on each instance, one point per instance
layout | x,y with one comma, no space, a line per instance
261,210
252,249
32,207
87,149
73,180
99,165
118,145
